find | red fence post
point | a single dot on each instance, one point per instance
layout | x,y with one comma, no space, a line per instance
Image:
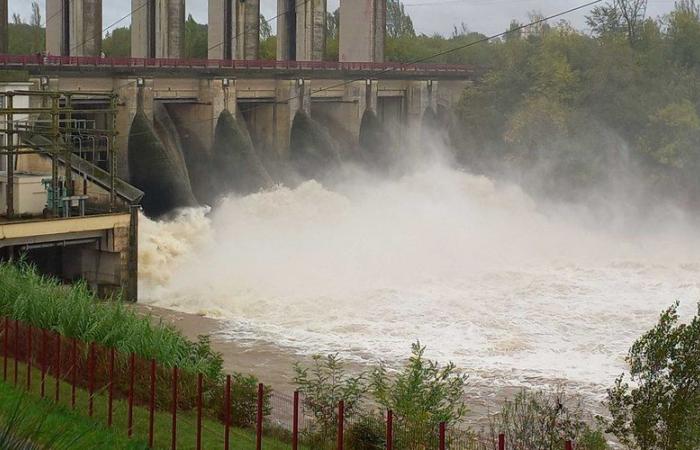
295,422
152,404
5,337
29,358
132,375
91,377
227,412
73,371
58,367
16,351
44,354
442,435
174,427
569,445
259,421
341,424
110,391
199,411
501,441
390,430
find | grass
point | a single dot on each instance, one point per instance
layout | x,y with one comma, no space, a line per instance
74,311
93,433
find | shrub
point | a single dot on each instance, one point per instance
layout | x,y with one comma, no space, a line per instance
368,432
534,419
660,409
422,395
322,386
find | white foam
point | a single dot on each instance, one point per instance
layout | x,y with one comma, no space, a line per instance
477,271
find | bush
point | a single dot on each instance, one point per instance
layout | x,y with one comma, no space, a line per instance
537,420
660,408
323,386
421,396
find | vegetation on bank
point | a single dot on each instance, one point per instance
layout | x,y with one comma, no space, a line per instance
43,424
74,311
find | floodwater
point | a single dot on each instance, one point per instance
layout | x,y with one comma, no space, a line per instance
514,292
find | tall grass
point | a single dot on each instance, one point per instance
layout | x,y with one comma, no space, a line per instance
74,311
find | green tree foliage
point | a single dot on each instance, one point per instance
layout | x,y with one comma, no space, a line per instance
422,395
539,420
323,386
566,111
659,409
117,43
332,36
27,38
398,22
196,39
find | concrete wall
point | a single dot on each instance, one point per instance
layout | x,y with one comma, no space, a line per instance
301,30
362,30
3,26
75,32
157,28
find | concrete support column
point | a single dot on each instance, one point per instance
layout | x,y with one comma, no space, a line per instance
301,30
74,27
4,44
362,30
157,28
234,29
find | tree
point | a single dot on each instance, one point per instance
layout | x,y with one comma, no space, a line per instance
35,23
688,6
422,395
398,22
117,43
539,420
604,20
660,408
16,19
265,28
684,33
620,16
196,39
323,386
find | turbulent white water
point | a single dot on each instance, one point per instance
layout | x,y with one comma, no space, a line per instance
476,271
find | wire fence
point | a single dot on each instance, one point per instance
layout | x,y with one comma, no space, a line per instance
168,407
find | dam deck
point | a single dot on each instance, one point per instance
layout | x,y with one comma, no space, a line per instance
46,65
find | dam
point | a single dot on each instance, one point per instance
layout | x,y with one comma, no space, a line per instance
165,132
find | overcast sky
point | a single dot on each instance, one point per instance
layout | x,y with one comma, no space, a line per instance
429,16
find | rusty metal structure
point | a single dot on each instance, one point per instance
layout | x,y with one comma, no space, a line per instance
57,127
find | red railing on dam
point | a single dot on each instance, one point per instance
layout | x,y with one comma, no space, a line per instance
21,61
171,408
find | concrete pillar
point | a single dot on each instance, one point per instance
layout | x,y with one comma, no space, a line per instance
4,45
362,30
301,30
157,28
234,29
74,28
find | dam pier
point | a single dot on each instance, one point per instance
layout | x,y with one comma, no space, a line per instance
172,132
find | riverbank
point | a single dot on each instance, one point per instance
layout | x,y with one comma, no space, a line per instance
274,365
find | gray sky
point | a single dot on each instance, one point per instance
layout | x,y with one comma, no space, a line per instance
429,16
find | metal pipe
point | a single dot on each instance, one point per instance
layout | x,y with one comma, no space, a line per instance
5,337
442,435
73,371
29,358
16,351
501,441
390,430
43,362
91,378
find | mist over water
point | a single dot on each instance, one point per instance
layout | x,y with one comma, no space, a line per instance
513,290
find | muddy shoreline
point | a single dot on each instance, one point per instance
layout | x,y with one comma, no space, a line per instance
274,365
